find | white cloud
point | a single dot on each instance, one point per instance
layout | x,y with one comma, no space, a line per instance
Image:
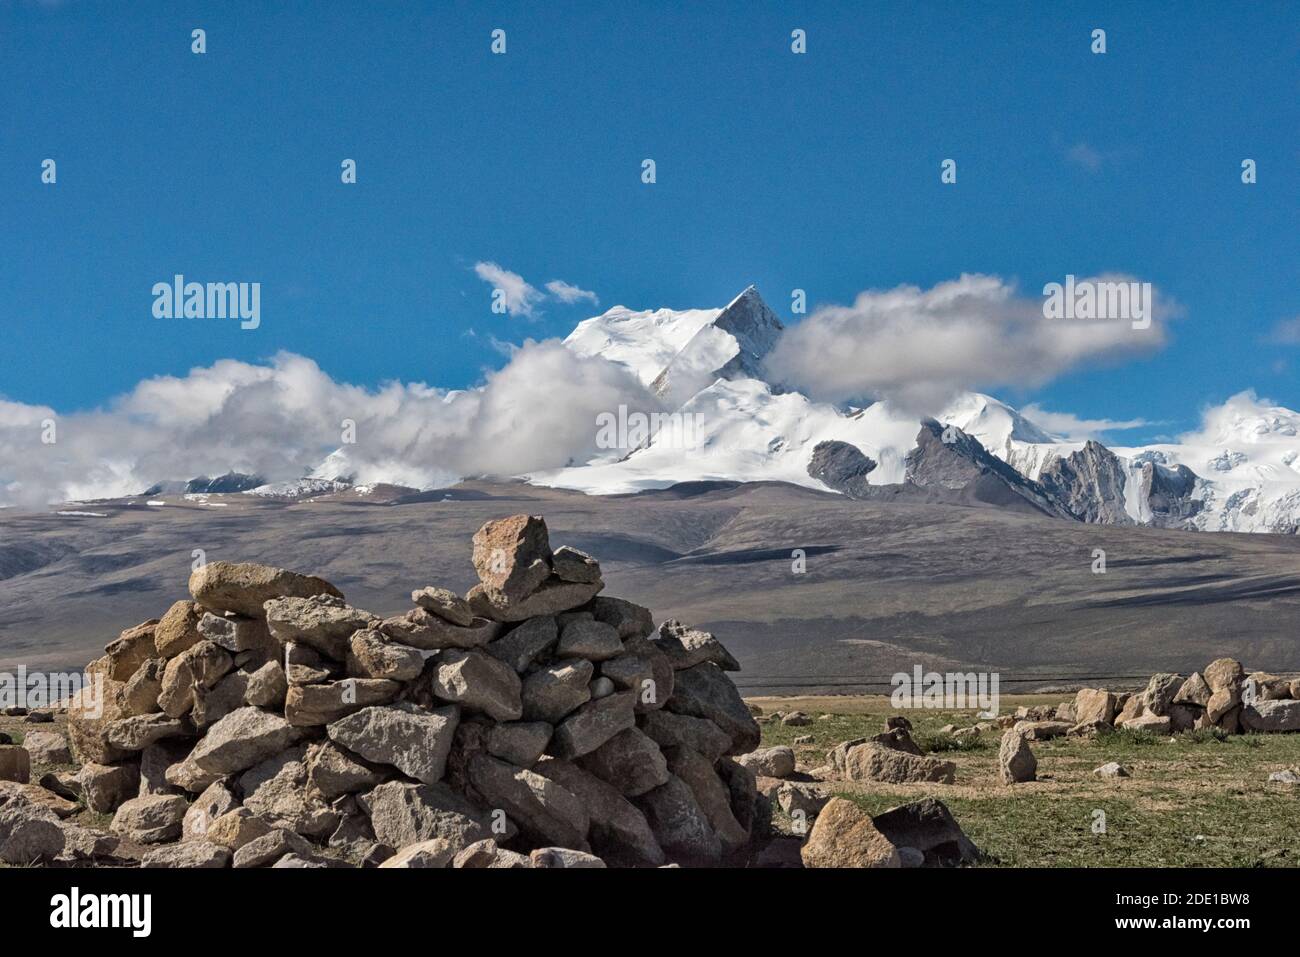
919,347
1286,332
567,293
520,297
1075,429
282,419
1081,154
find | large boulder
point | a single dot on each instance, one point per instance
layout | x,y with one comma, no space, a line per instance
687,647
1016,762
421,628
874,762
1222,702
591,725
178,629
323,622
314,705
244,588
553,597
1224,674
679,730
238,741
619,831
1194,691
372,655
777,762
844,836
540,806
521,646
679,824
704,691
629,761
403,813
553,691
478,682
1160,692
1092,705
153,819
130,650
512,556
929,827
1271,715
413,740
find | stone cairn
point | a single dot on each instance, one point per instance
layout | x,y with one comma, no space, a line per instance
532,723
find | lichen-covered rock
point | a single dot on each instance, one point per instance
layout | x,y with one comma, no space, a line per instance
444,603
409,738
322,622
687,647
552,692
704,691
1016,762
478,682
629,761
845,836
153,819
420,628
553,597
874,762
512,556
132,648
244,588
372,655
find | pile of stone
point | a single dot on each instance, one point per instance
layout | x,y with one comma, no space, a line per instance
1222,696
532,722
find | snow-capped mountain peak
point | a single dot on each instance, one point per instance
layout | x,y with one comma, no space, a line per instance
1240,473
731,346
644,341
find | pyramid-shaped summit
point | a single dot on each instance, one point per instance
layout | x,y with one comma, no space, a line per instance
732,346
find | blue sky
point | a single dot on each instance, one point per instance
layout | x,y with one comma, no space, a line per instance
818,172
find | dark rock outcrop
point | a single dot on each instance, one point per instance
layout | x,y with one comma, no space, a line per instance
1090,483
841,466
947,457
